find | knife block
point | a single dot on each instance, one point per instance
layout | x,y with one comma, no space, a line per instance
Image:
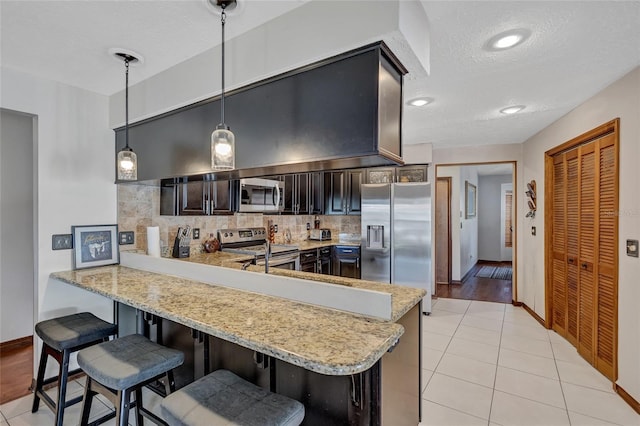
180,251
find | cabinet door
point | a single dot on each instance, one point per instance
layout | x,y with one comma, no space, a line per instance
289,196
381,175
316,193
192,198
334,193
302,192
354,178
348,267
412,174
308,261
221,197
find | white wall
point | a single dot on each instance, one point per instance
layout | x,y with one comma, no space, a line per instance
469,229
621,99
74,183
454,173
490,229
16,216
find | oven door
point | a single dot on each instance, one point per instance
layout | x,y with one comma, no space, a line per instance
282,261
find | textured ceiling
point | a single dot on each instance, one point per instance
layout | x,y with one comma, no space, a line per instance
575,50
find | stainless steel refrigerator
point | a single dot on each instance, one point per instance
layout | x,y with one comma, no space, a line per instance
396,235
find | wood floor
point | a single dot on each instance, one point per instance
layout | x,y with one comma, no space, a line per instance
476,288
16,369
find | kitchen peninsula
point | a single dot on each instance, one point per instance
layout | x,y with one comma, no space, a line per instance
346,368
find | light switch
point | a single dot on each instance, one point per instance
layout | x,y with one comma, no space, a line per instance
632,248
533,230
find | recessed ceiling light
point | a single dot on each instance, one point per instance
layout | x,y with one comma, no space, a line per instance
507,39
512,109
422,101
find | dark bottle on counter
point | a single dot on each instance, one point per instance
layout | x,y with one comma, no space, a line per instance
316,222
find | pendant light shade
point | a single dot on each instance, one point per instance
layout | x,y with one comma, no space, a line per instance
223,155
127,160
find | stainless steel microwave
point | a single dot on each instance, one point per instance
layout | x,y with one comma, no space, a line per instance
261,195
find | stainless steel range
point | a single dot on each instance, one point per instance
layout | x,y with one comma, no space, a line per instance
252,241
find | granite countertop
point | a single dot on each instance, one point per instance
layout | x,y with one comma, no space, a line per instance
312,244
323,340
402,298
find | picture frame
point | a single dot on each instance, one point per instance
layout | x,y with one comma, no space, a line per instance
469,200
95,245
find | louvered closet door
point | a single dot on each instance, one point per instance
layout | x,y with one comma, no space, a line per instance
607,288
583,245
558,243
586,291
573,230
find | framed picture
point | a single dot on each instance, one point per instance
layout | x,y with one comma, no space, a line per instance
95,245
469,200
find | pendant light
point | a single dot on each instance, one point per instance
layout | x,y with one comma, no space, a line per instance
127,159
222,139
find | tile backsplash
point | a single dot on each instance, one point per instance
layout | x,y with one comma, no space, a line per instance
139,207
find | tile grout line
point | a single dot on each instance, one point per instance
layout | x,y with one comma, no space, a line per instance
495,377
564,398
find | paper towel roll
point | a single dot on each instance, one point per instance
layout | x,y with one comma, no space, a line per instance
153,241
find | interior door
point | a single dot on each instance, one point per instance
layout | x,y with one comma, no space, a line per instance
582,241
443,230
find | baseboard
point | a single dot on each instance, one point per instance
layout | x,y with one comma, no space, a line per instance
627,398
514,303
469,272
534,315
16,344
456,282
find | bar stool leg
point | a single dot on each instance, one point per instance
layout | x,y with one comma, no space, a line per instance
86,402
63,377
41,368
123,397
139,416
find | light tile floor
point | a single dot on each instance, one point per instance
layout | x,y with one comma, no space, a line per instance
493,364
483,364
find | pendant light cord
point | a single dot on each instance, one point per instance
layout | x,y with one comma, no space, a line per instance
126,108
223,18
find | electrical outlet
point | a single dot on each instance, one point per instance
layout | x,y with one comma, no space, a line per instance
196,233
126,237
275,228
61,242
308,226
632,248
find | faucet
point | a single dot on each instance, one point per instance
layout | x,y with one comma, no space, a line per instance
267,255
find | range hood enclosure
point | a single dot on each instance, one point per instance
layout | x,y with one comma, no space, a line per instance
342,112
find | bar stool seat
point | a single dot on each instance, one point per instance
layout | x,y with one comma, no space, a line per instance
61,337
121,366
222,398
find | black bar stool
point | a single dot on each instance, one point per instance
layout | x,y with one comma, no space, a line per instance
119,367
222,398
61,337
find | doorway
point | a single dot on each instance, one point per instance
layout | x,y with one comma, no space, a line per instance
17,254
474,253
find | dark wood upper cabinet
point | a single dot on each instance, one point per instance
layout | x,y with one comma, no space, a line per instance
342,112
342,192
196,198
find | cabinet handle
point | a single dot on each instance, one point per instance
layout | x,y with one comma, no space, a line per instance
358,263
570,260
584,265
